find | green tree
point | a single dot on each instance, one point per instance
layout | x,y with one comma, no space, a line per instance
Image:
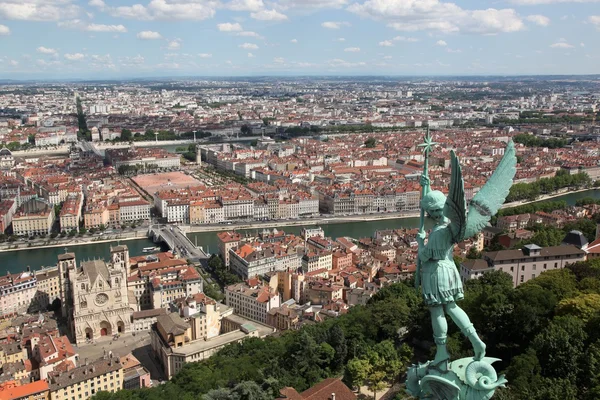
377,382
560,346
370,143
584,306
356,373
126,135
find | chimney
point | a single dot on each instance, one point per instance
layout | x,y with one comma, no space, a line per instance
332,396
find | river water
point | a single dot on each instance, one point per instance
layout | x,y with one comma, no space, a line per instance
19,260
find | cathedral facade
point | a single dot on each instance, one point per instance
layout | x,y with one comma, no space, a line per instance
96,295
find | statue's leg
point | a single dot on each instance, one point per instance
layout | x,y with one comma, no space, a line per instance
440,332
461,319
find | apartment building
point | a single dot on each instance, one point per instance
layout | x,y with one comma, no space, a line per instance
15,390
316,260
70,213
34,217
133,208
8,208
227,241
523,264
48,287
17,292
323,293
160,279
251,300
81,383
341,259
51,353
249,261
96,214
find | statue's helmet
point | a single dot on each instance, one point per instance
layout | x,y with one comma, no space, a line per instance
434,200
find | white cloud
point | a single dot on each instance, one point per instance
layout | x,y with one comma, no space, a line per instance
581,44
250,55
74,57
387,57
352,49
454,51
229,27
38,10
441,43
149,35
537,2
132,61
269,15
46,50
539,20
279,60
308,4
4,30
174,44
248,46
339,39
337,63
334,25
106,28
561,44
405,39
163,10
436,15
13,63
249,34
386,43
245,5
294,41
595,20
205,55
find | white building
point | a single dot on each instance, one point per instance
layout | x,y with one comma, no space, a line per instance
253,302
17,292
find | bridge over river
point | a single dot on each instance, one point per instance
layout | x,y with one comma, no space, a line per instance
177,241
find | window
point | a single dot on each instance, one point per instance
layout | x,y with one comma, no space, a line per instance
544,265
532,276
555,265
522,268
534,267
522,278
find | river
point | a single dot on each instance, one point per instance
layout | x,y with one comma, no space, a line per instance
19,260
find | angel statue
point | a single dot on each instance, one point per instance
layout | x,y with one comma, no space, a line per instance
439,278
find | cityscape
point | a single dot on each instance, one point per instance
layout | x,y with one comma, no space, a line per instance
237,203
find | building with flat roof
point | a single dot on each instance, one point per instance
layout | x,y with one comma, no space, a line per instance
201,328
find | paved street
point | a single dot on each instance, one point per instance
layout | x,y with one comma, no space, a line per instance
139,345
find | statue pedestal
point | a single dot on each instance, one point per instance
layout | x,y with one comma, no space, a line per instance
464,379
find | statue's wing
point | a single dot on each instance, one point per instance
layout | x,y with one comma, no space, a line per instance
456,207
490,198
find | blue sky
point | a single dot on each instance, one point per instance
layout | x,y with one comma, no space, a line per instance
153,38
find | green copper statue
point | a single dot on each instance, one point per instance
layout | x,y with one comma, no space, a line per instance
468,378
